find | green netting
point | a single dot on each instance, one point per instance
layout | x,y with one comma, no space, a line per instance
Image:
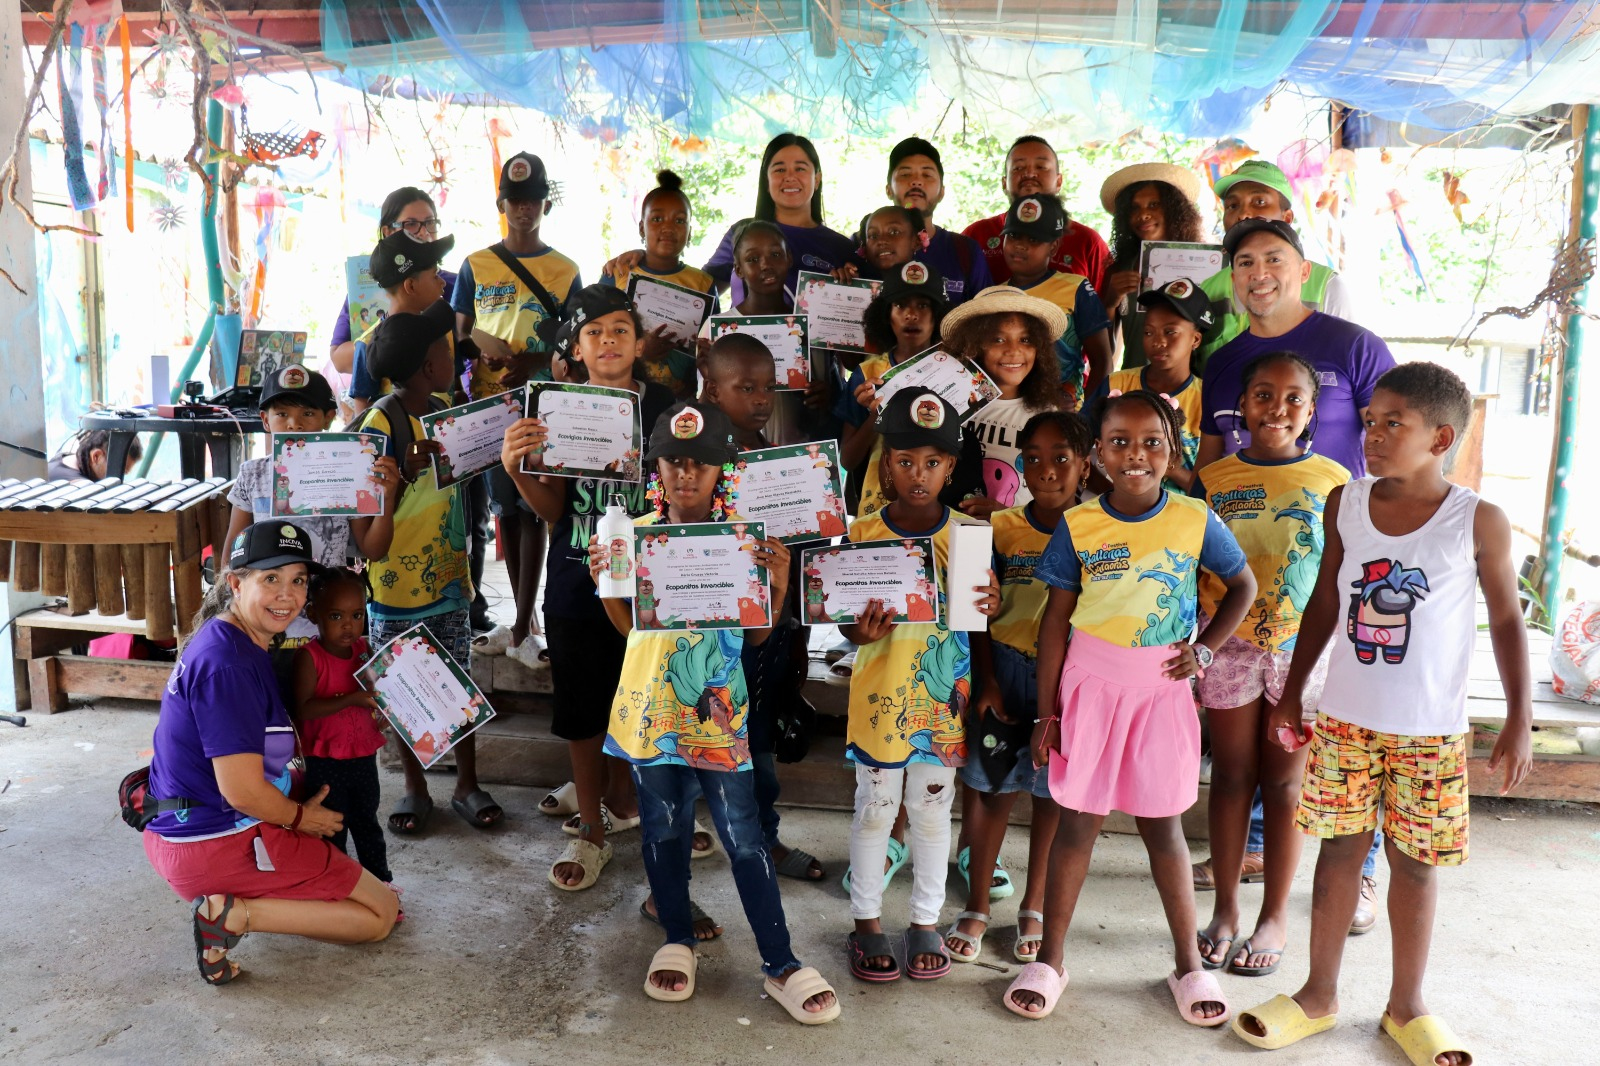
744,69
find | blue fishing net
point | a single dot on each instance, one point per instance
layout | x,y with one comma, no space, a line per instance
745,69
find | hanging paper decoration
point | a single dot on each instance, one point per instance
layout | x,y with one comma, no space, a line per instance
1396,202
127,119
174,172
1454,196
1220,159
167,215
230,95
69,85
271,147
107,156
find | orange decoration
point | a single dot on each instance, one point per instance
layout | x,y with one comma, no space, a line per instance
127,120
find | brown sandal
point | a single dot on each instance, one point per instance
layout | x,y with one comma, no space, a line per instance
1252,871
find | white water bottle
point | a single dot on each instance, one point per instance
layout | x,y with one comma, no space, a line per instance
615,534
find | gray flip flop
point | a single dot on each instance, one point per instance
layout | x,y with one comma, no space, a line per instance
797,864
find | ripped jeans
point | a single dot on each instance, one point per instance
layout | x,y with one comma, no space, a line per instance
928,789
666,812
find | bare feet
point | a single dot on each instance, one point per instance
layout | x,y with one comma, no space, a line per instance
1266,946
816,1004
1029,1000
883,963
701,842
1206,1008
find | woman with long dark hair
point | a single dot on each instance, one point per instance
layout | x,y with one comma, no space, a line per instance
410,209
1148,202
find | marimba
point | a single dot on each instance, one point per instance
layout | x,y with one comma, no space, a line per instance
114,547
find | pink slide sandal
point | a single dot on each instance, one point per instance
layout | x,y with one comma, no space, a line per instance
1041,978
1196,987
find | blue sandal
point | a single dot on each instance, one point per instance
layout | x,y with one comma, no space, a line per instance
898,854
1001,891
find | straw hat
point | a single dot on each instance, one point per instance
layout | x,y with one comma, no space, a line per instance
1180,178
1006,299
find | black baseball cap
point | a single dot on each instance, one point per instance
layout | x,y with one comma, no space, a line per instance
400,346
270,544
694,430
594,301
1185,297
917,418
914,279
295,382
400,256
1039,218
914,146
1246,226
523,177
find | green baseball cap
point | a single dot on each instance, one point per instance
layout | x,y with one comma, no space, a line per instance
1259,171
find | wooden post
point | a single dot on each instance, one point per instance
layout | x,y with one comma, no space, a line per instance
108,579
80,578
25,576
53,570
133,580
157,592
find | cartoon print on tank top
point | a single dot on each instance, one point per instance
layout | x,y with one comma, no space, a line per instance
1380,609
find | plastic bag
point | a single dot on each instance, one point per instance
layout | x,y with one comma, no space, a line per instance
1575,654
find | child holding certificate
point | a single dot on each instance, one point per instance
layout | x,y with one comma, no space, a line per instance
414,352
901,321
295,400
908,698
1011,335
664,219
741,381
1055,464
585,652
680,719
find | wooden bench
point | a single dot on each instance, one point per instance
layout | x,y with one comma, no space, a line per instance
42,639
1554,776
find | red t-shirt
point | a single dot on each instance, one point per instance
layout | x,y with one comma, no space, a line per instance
1082,251
351,732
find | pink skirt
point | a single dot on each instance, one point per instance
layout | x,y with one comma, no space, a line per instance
1130,738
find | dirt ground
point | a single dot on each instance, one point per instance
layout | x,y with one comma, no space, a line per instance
493,966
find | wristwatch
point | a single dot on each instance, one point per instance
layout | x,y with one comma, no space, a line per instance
1202,655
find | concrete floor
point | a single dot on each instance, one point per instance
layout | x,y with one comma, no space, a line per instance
494,966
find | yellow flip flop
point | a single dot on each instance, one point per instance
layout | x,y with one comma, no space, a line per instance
1424,1039
1282,1023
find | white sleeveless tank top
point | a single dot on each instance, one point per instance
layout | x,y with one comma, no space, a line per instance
1399,661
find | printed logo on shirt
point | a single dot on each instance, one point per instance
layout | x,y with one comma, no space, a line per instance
811,262
1107,562
992,243
954,286
491,298
1379,619
1328,379
1247,501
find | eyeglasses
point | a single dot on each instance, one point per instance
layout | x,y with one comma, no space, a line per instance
415,226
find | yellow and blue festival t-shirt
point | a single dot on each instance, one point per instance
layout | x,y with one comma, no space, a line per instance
909,691
502,306
1274,510
1187,397
681,700
1135,575
426,570
1019,543
676,371
1086,316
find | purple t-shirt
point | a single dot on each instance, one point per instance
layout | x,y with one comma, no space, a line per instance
1349,361
959,260
222,699
817,248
